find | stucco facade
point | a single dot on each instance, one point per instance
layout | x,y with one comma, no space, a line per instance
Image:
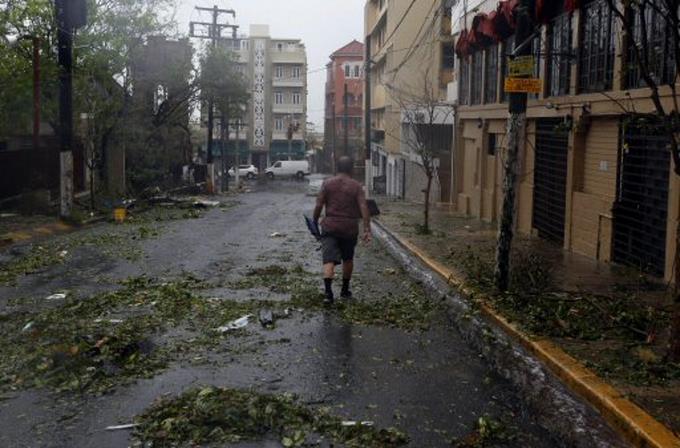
409,57
276,73
585,168
343,122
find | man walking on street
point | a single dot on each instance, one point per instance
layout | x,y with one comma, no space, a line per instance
345,204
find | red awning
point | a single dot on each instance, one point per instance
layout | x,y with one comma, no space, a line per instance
546,10
487,26
462,45
500,24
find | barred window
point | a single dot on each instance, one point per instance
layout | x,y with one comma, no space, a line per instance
464,81
596,58
659,46
559,61
476,77
491,74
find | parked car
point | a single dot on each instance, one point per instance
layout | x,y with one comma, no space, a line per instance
247,171
284,168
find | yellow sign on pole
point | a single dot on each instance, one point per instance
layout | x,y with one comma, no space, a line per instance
521,66
523,85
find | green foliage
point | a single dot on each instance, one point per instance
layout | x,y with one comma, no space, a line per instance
221,80
412,309
37,258
536,303
635,364
488,432
101,55
213,415
94,344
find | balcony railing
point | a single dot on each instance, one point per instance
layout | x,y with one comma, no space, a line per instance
283,135
288,82
288,108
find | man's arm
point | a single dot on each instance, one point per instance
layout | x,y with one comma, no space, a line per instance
365,215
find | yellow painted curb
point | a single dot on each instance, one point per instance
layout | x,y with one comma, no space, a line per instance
41,231
632,422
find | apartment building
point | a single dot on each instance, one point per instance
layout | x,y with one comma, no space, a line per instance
276,73
409,56
590,180
343,128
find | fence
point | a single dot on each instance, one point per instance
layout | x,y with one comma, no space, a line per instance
31,169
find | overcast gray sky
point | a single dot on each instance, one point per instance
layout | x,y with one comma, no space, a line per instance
323,25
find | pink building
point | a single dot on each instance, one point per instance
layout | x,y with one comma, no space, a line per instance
343,131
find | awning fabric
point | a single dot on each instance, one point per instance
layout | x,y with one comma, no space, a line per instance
500,24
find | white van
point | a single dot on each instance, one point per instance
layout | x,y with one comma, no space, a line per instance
284,168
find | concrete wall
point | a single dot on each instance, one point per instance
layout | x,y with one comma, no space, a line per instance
401,72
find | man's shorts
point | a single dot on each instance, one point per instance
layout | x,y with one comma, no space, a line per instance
337,250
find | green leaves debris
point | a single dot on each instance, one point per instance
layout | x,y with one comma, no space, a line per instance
216,415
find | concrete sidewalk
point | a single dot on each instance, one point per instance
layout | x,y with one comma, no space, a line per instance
632,364
573,272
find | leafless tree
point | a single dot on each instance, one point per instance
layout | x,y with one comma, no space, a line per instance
422,112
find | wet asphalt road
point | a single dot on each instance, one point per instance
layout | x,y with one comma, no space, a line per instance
431,384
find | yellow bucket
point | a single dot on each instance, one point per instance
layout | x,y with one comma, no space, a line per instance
119,215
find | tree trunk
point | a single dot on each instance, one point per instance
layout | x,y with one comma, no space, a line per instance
426,213
92,198
674,349
507,221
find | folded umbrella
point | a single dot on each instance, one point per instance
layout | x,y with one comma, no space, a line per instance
313,227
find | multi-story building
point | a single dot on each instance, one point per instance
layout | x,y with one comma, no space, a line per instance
160,73
409,54
276,73
343,129
590,179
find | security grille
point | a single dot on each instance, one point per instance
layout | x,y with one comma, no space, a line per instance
641,208
550,179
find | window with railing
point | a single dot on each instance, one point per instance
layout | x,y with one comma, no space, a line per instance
656,46
559,60
464,81
491,74
596,56
476,77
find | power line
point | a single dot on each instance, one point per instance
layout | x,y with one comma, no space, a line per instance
418,39
413,2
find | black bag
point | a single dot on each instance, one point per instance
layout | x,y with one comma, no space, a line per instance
373,209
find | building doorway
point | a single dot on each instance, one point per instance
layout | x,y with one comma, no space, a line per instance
641,207
550,179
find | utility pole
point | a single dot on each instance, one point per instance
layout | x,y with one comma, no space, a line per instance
345,101
238,153
224,129
516,140
214,34
292,129
367,100
36,92
71,14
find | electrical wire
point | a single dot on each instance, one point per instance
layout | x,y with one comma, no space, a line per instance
408,10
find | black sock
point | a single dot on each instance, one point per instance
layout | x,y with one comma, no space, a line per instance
345,284
328,283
